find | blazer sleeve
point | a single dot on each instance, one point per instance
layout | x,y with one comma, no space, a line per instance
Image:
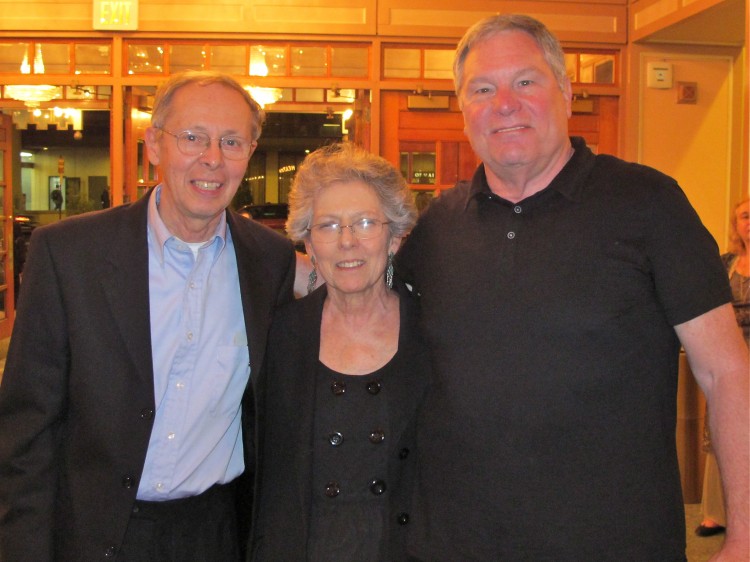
32,399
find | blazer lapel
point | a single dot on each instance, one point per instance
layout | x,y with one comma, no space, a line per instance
125,283
258,298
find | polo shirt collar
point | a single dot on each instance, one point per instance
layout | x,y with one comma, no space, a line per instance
569,182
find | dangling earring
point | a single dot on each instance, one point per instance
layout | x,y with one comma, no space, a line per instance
312,279
389,271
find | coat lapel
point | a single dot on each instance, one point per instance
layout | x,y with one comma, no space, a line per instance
125,284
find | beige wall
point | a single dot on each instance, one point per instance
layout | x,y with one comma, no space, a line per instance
701,145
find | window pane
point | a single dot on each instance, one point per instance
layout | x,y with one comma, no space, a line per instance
145,59
267,61
186,57
349,61
309,61
571,67
55,57
92,59
229,58
438,63
11,56
597,68
401,63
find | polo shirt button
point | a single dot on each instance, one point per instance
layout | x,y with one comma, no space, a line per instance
374,387
517,209
377,436
332,489
377,487
511,235
403,518
338,387
335,439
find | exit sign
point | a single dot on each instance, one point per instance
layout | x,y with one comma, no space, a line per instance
116,14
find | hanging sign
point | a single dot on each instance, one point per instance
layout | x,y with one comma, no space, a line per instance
116,14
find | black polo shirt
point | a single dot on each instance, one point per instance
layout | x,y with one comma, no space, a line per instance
550,430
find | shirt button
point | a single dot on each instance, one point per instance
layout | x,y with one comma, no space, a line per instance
517,209
189,336
338,387
377,436
374,387
170,436
192,285
377,487
335,439
159,486
403,518
332,489
511,235
180,385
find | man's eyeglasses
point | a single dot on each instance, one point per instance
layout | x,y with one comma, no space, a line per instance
196,144
362,229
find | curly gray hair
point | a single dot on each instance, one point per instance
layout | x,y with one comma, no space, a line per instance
342,163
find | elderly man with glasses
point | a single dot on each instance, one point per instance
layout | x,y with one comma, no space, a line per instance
126,409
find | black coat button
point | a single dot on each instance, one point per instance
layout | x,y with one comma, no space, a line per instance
147,414
332,489
377,436
403,453
335,439
338,387
374,387
403,518
128,482
377,487
110,552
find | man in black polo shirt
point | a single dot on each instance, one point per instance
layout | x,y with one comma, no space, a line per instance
557,288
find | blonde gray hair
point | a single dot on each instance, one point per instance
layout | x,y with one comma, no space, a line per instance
165,95
344,163
490,26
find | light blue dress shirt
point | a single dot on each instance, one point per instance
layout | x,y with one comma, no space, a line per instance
201,363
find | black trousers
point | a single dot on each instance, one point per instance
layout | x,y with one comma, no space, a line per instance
197,529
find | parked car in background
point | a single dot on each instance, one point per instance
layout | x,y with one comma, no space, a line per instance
273,215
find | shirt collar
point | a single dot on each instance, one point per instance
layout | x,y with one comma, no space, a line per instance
161,234
569,182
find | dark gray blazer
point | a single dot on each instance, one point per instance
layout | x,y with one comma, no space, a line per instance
77,397
286,389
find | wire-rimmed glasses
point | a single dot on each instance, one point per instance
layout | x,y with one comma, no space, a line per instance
196,144
327,232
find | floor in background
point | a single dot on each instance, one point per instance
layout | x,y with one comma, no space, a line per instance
699,549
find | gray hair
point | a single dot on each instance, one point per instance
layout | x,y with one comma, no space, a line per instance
343,163
492,25
166,92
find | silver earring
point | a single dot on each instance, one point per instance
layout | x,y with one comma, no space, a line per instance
389,271
312,279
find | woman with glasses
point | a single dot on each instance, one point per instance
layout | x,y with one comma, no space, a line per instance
345,373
